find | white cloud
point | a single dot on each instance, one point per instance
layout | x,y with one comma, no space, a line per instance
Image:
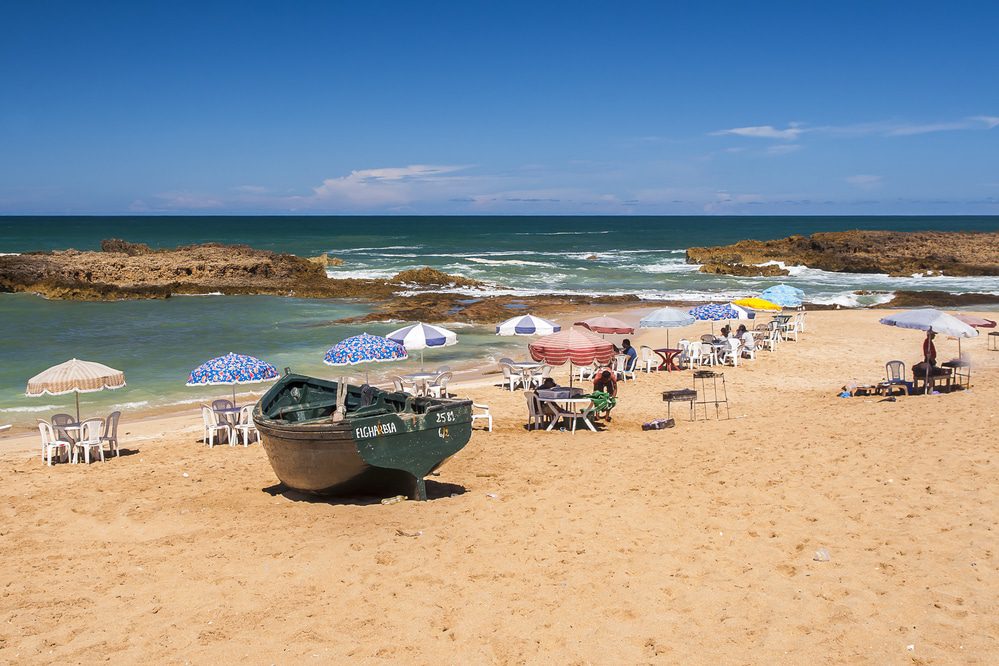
764,132
390,186
783,149
864,181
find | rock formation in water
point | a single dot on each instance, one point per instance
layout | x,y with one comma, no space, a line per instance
893,252
123,270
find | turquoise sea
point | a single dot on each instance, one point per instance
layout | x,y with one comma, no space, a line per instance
158,342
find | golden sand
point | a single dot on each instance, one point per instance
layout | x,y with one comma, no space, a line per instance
689,545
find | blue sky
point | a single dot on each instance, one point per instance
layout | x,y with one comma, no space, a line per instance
499,107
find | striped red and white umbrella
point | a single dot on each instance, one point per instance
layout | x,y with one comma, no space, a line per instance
576,346
605,324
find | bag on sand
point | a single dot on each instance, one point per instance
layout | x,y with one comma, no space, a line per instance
659,424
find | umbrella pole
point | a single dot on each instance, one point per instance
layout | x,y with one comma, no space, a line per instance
570,374
233,395
421,360
77,406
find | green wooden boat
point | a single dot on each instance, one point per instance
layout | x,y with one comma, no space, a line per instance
364,441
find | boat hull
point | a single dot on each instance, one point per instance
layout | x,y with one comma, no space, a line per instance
381,453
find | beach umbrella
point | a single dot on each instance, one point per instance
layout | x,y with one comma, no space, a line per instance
784,295
420,336
718,311
364,348
605,324
75,376
929,319
575,346
230,370
666,318
757,304
527,325
975,322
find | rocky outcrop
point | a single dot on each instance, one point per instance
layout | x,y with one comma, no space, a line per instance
893,252
939,299
427,277
742,270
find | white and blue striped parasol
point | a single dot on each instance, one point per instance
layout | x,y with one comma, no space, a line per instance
421,336
527,325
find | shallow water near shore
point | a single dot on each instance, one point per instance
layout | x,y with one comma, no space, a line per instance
157,343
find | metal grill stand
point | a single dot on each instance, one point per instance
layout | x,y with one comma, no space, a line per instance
704,376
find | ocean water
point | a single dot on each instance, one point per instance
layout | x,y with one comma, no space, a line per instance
158,342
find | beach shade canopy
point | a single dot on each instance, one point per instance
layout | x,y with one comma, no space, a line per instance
975,322
719,312
784,295
75,376
365,348
926,319
573,345
757,304
605,325
527,325
666,318
421,336
232,369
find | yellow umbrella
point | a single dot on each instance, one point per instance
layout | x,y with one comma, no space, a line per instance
758,304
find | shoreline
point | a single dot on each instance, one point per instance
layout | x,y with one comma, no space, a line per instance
477,373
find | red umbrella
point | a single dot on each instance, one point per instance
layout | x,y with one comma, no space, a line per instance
577,347
605,325
977,322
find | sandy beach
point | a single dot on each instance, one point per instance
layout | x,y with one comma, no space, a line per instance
689,545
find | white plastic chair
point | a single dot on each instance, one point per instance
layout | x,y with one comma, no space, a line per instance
621,367
732,354
587,371
438,388
484,415
691,353
245,426
647,359
511,376
213,427
708,354
90,440
748,348
50,444
539,376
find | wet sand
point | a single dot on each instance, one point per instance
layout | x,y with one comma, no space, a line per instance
689,545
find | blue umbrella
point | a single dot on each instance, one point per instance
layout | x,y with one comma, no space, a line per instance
527,325
232,369
666,318
784,295
364,348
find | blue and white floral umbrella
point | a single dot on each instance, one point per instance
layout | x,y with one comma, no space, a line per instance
365,348
230,370
718,311
784,295
420,336
527,325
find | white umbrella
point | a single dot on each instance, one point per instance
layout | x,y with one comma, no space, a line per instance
420,336
527,325
75,376
928,319
666,318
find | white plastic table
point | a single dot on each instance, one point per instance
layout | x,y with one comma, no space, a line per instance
570,406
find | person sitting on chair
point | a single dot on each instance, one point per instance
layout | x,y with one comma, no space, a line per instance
739,331
725,330
626,348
